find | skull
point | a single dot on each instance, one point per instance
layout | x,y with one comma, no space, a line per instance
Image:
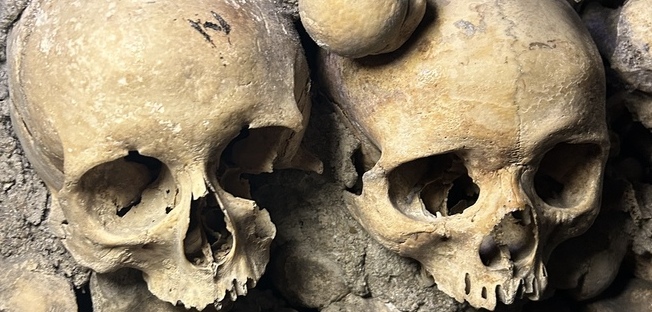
491,135
144,119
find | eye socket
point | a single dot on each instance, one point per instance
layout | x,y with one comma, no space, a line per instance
565,173
133,187
251,152
438,184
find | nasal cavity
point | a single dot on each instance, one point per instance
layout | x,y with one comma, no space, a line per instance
513,239
207,238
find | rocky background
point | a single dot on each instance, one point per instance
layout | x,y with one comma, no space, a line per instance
322,259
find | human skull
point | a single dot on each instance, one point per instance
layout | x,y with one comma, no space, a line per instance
491,135
144,118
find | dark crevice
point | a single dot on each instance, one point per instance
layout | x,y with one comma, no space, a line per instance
214,226
207,230
548,188
123,211
358,162
489,251
194,240
153,165
463,194
440,182
564,173
227,155
467,283
83,298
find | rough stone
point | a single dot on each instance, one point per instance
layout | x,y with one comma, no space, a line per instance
635,296
125,290
640,105
25,288
355,303
313,223
24,202
624,37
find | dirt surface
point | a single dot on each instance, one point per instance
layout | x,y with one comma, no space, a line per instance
24,200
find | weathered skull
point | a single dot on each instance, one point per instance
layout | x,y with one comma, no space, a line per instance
144,117
492,138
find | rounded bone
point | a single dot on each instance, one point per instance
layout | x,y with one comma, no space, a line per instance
359,28
24,288
492,135
142,116
624,37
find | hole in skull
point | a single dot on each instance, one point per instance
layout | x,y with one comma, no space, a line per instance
467,283
548,188
207,238
489,251
566,172
123,211
463,194
364,158
130,188
228,153
153,166
358,163
511,240
252,151
438,184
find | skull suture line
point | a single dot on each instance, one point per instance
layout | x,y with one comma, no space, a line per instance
492,138
143,116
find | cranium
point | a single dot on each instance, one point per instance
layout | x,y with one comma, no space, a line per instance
363,27
492,138
143,118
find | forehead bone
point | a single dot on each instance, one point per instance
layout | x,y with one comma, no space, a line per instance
475,73
180,70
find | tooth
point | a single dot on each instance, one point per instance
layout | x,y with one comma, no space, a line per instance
438,214
241,289
529,284
234,290
505,296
